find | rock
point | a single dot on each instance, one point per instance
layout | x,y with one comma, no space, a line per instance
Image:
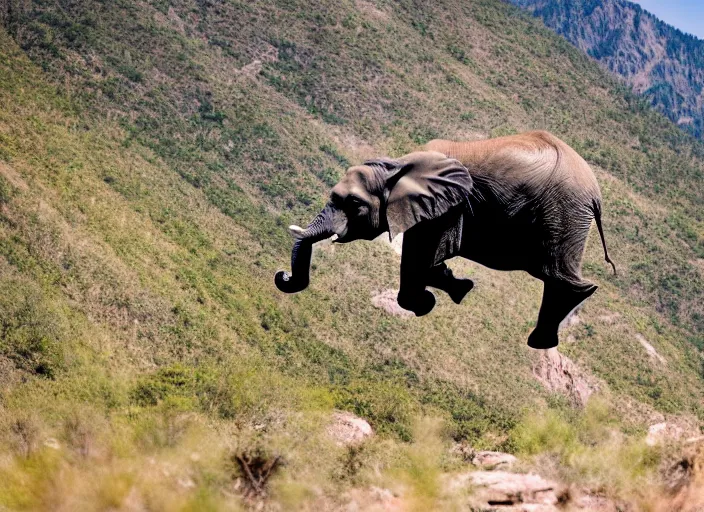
483,459
559,374
500,490
348,429
493,460
663,432
650,349
464,451
386,300
52,443
683,478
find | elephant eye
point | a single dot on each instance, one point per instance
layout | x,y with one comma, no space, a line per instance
354,201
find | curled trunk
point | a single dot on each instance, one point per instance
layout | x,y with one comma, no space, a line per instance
299,278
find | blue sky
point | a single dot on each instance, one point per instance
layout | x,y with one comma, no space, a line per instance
686,15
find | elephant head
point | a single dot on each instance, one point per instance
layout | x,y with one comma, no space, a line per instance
379,196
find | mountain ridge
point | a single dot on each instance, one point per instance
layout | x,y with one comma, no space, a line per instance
660,62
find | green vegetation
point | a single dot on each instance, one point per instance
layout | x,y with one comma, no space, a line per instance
590,450
151,156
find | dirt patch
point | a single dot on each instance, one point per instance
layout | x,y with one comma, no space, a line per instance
251,70
371,11
357,146
13,177
699,264
386,300
650,349
609,319
559,374
171,19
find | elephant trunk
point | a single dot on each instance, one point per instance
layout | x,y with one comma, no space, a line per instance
299,278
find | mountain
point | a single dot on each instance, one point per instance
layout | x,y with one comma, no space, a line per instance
152,154
660,62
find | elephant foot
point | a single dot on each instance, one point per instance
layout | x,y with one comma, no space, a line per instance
441,277
543,339
460,288
421,304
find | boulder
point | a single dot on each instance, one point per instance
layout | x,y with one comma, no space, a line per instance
662,432
559,374
347,429
501,490
493,460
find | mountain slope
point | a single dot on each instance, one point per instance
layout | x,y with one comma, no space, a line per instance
151,156
660,62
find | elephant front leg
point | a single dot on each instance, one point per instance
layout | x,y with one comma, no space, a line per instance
416,261
559,298
441,277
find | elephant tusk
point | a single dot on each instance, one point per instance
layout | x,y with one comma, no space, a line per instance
334,237
296,231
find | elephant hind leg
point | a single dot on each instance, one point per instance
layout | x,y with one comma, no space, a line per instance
441,277
559,299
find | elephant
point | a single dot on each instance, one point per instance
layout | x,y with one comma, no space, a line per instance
519,202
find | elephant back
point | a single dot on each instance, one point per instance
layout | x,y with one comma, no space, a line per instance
529,162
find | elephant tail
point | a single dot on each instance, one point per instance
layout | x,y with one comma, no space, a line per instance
596,208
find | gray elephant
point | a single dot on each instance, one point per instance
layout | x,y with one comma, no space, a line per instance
522,202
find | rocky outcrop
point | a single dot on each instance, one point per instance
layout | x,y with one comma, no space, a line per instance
684,478
674,429
500,490
663,432
347,429
482,458
493,460
559,374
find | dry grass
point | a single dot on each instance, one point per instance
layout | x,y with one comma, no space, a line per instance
145,187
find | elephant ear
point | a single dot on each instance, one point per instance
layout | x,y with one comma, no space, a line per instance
425,185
